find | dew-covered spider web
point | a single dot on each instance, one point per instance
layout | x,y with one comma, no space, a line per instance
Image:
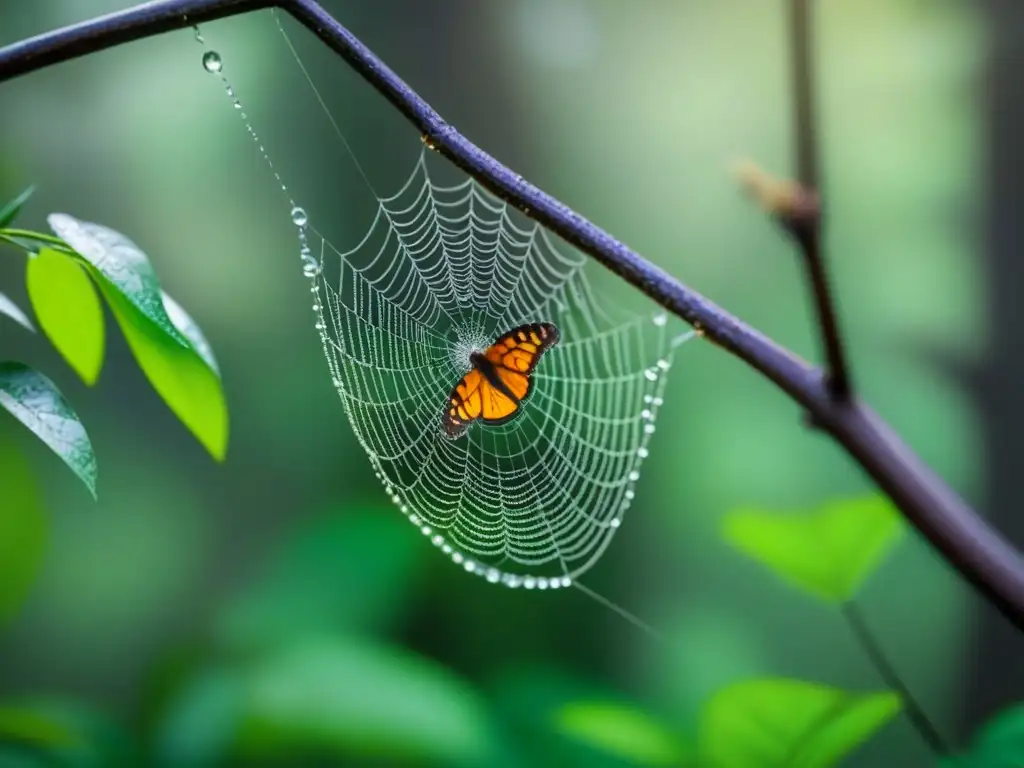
443,271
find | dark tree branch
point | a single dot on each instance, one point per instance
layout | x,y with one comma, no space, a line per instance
988,562
804,220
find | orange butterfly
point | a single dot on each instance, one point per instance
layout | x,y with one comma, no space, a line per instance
499,380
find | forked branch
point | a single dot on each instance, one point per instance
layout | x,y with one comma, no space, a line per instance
967,542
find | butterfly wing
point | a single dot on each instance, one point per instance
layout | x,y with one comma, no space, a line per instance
512,358
465,403
515,356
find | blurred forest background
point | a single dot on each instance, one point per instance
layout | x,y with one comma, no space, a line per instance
630,113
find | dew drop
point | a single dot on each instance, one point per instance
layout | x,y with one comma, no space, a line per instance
642,453
615,522
529,582
566,581
511,580
437,541
212,62
426,530
664,364
469,565
648,399
658,401
634,476
645,414
542,583
649,429
456,558
493,575
310,269
630,495
660,319
299,217
651,374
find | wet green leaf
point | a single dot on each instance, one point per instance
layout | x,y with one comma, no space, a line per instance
191,389
190,330
184,376
350,569
623,731
122,263
828,553
774,723
13,311
23,530
37,403
11,210
350,698
68,309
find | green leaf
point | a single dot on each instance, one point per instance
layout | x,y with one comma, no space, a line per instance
13,311
122,263
349,569
621,730
23,531
828,553
190,330
22,725
776,723
37,403
348,698
68,309
997,744
191,389
11,210
181,374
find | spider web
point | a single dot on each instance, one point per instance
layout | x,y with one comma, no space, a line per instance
442,272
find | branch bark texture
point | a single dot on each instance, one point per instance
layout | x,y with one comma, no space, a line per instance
966,541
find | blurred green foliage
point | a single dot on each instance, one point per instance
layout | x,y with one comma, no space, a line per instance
828,553
765,723
623,730
997,744
23,528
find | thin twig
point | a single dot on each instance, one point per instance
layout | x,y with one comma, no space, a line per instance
805,221
915,713
967,542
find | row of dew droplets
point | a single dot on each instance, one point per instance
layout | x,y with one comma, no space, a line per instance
214,64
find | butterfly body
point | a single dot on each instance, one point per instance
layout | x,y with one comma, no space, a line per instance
493,390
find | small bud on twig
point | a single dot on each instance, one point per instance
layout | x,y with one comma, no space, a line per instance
793,205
